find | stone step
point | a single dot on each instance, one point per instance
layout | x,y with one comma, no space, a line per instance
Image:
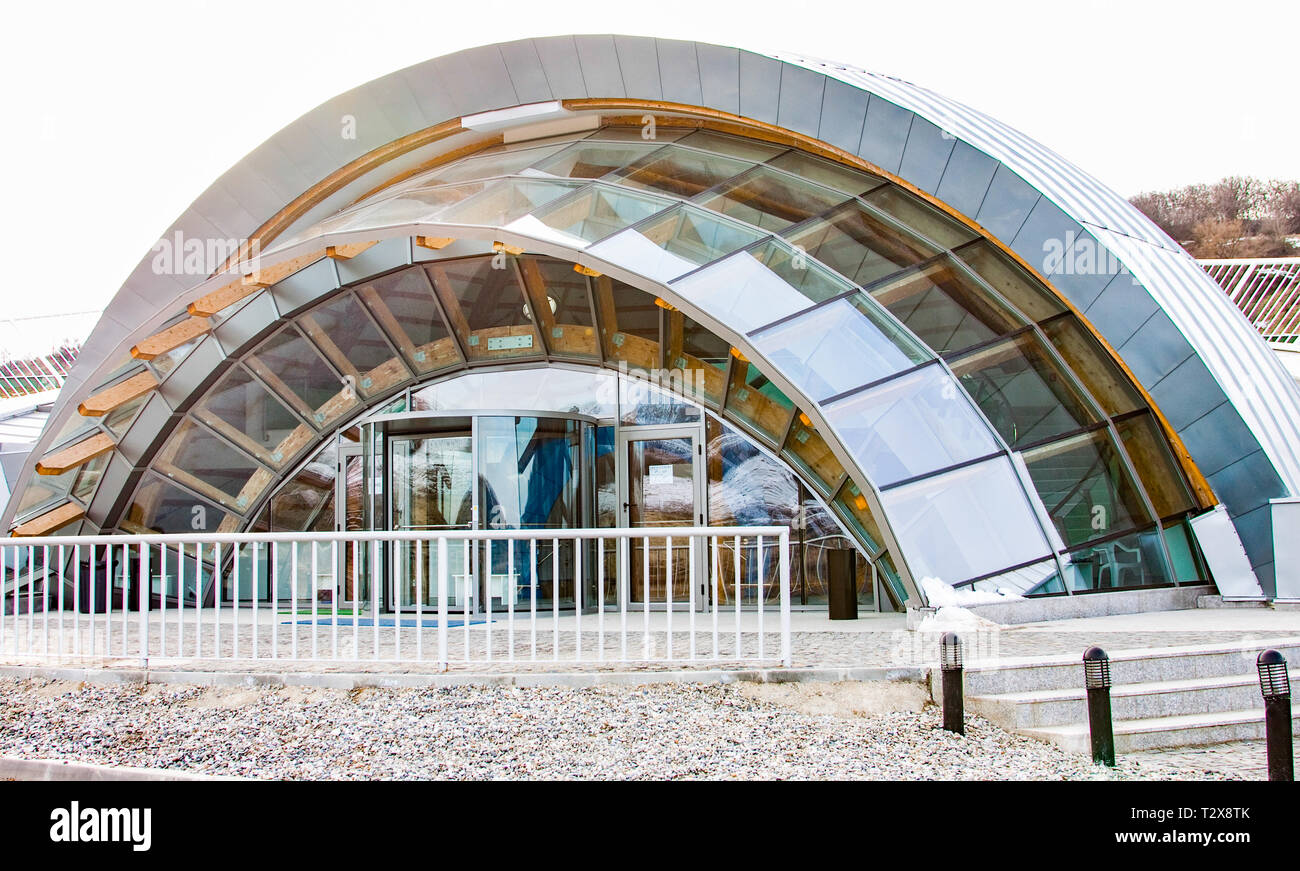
1028,710
1155,733
1127,667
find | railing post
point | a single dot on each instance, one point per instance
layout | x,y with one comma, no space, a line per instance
787,656
143,618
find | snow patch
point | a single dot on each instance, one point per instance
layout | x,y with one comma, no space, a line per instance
941,595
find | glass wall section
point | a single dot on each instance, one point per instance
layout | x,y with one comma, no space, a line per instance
594,393
587,159
493,164
696,359
243,410
589,215
861,244
305,503
758,286
825,173
945,308
1086,488
501,203
769,199
1160,475
733,146
839,346
485,302
206,463
1090,363
753,399
291,366
679,172
412,205
432,487
919,216
161,506
1133,560
675,242
965,524
915,424
1022,391
808,451
1025,293
629,323
558,300
403,304
531,477
854,508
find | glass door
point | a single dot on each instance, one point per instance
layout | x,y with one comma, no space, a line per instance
662,489
432,487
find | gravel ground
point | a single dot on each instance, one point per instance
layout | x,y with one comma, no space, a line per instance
740,731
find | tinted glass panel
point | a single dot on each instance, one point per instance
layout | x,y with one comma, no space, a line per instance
486,304
1092,365
403,304
592,214
351,341
944,308
753,398
196,457
919,216
861,244
245,412
769,199
1161,478
680,172
1017,286
294,369
824,172
1131,561
559,301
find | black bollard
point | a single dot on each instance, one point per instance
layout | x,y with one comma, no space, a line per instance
1096,673
1275,686
954,705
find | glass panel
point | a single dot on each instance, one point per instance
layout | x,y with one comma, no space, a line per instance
593,213
855,509
966,523
44,491
861,244
403,304
748,488
820,535
119,419
505,201
88,477
306,501
825,172
732,146
410,207
679,172
808,451
164,363
558,297
1008,278
1160,475
661,132
432,484
1022,391
1092,365
754,399
248,414
642,402
915,424
769,199
606,456
587,159
629,321
202,461
920,217
1086,489
1130,561
160,506
498,163
530,478
761,285
944,308
294,369
1186,557
486,304
1041,579
590,393
675,243
661,492
696,359
839,346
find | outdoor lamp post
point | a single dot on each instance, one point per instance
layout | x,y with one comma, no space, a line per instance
954,714
1275,686
1096,674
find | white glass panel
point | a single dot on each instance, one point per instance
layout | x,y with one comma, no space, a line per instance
964,524
590,393
917,423
742,293
837,347
638,254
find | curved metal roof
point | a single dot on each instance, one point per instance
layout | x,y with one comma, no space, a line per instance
1184,341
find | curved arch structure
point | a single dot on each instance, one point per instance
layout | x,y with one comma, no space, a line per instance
996,371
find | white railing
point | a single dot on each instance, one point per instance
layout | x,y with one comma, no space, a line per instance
1267,290
82,598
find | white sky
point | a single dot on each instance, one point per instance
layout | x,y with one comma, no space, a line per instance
117,115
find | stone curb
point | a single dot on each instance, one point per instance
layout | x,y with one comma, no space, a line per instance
349,680
69,771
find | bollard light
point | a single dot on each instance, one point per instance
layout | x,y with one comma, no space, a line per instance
1096,678
954,703
950,651
1096,669
1275,686
1273,680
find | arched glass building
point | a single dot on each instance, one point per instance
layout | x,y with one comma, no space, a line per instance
618,281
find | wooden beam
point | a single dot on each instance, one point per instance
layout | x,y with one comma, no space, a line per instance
75,455
347,252
502,247
434,243
585,270
221,298
265,277
118,395
172,337
50,520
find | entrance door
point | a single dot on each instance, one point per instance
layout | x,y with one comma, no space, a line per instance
350,516
432,480
662,488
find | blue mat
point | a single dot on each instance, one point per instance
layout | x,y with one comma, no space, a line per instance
411,623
